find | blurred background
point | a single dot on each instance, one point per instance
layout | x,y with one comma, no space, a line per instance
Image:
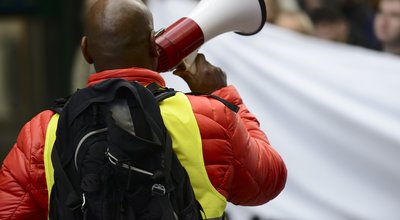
38,41
322,77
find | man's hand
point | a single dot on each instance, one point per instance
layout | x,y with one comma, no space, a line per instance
206,79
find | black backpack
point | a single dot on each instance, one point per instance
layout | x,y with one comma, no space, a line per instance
113,157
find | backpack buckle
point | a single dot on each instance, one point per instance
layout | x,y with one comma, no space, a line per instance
158,190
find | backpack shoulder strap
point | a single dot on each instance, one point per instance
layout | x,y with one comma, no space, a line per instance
73,200
52,164
160,93
48,147
228,104
59,104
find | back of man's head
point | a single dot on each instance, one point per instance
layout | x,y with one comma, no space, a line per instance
119,34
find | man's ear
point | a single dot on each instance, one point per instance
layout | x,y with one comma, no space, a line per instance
153,45
85,50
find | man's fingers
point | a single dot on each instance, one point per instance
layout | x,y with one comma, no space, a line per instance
185,75
200,59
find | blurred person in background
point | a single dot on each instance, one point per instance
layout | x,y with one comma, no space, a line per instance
289,15
351,19
309,5
297,21
275,7
387,26
329,24
273,10
360,17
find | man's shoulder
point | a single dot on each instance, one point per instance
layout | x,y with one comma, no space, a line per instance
217,101
23,168
209,110
38,124
32,136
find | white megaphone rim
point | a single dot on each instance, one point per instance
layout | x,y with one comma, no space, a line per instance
214,17
263,9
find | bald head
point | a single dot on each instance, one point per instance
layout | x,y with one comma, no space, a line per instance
119,34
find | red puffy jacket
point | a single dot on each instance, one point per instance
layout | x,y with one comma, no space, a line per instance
239,160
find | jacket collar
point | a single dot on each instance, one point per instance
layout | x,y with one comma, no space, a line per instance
143,76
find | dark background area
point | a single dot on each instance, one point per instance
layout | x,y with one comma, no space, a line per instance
37,59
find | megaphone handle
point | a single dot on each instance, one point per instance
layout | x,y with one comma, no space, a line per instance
190,63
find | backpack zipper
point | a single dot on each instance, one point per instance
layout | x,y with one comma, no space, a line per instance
83,140
113,160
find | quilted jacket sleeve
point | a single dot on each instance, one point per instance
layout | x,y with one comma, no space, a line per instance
239,159
23,192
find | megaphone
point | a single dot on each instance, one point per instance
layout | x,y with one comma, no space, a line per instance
207,20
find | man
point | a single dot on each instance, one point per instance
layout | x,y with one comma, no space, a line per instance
387,26
329,24
239,164
297,21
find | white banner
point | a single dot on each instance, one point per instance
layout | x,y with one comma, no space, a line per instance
331,110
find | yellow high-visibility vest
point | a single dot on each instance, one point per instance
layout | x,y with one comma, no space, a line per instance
182,127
